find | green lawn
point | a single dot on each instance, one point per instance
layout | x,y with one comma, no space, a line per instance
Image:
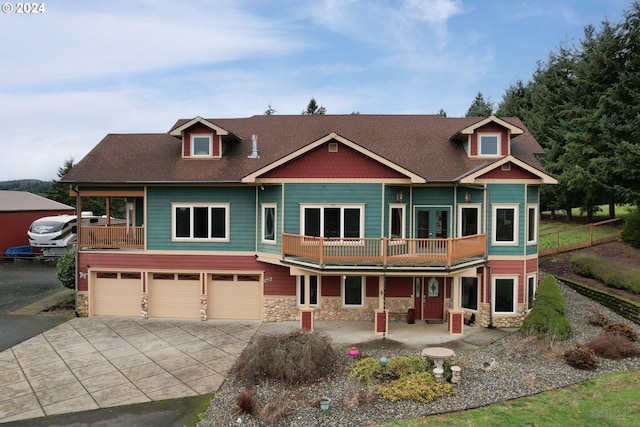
609,400
553,233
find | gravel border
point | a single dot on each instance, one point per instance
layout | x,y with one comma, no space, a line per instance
522,367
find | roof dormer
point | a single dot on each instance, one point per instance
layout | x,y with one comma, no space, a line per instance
490,138
201,139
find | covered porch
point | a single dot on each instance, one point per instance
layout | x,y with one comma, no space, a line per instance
122,226
386,298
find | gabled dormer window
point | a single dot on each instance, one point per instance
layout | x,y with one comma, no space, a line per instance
489,144
201,145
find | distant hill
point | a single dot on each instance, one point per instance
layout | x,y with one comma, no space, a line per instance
34,186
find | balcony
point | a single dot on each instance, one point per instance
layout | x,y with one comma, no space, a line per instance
384,252
117,236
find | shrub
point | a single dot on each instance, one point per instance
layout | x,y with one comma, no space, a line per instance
275,411
369,370
582,357
613,347
246,402
615,276
631,229
66,270
621,329
299,357
547,318
598,318
419,387
359,397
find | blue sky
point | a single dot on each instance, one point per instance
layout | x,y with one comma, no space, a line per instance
83,69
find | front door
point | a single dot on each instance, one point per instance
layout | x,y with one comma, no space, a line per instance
432,223
433,298
429,298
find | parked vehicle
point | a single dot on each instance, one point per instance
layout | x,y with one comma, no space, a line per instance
57,235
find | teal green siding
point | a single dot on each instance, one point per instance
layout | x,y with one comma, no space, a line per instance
436,196
324,194
508,194
242,217
533,194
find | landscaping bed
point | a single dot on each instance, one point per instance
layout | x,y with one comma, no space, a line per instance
615,253
523,366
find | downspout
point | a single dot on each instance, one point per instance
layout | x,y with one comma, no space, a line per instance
488,266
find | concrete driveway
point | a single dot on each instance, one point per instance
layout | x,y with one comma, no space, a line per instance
101,362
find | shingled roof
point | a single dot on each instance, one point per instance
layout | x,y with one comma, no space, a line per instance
421,144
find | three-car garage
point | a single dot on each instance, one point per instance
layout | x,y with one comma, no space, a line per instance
176,294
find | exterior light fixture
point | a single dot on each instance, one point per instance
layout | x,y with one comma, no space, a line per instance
399,196
467,197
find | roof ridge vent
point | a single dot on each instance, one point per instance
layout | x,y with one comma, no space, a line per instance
254,147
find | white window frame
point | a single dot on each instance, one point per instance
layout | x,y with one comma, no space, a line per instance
403,220
266,206
201,135
478,208
531,279
362,292
300,290
498,137
191,206
494,225
342,208
495,279
477,293
535,224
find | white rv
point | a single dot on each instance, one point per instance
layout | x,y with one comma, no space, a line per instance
57,235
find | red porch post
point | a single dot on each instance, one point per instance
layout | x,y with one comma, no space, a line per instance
306,318
382,322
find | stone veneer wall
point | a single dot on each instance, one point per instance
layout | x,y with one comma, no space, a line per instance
281,309
484,319
82,303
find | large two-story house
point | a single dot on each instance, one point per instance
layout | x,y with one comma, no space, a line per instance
325,217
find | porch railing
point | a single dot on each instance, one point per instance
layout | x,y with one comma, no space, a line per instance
382,250
111,237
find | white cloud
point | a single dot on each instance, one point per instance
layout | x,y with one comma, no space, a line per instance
64,45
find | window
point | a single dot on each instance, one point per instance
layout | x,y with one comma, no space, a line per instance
504,295
201,145
314,290
505,230
469,293
469,220
531,291
334,221
489,145
353,291
396,222
269,223
201,222
532,224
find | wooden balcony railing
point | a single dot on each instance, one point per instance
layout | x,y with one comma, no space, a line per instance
383,251
111,237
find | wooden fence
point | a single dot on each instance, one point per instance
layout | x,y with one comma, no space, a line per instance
592,237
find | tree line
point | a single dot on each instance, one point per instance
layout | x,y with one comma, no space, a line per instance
583,106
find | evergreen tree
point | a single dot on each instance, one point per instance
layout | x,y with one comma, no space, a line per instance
314,109
480,107
516,101
60,192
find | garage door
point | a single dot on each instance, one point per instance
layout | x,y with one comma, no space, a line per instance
234,297
174,295
116,294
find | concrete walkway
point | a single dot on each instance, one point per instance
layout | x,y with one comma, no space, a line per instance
102,362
